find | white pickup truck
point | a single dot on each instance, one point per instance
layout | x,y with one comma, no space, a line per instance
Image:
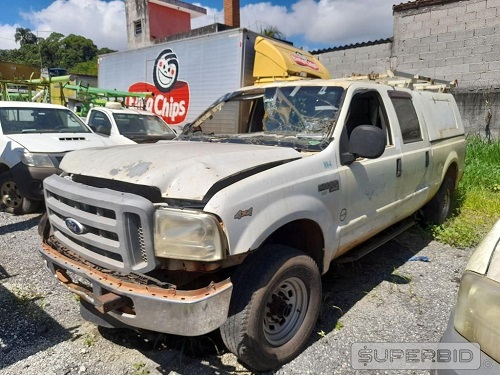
137,126
34,137
233,231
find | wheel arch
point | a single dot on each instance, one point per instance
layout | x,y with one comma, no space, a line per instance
304,235
451,172
4,167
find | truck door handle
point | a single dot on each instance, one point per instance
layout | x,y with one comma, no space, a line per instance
426,159
398,167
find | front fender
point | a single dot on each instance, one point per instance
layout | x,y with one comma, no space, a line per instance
248,220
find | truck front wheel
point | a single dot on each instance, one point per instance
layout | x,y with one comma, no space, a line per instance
274,307
12,200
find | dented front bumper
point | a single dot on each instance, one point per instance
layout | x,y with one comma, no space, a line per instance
113,302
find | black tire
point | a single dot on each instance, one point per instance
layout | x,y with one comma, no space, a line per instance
275,304
441,206
11,199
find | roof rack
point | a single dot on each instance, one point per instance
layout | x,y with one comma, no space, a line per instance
406,80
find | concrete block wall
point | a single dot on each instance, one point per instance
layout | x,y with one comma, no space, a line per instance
453,40
372,58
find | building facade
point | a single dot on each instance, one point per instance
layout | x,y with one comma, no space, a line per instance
454,40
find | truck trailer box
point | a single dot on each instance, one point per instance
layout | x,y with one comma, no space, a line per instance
184,75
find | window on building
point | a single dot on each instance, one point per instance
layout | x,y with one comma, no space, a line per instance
137,27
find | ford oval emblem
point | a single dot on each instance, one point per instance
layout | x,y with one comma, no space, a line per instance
75,226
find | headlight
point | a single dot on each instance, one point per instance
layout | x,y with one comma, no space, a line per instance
36,160
187,235
477,315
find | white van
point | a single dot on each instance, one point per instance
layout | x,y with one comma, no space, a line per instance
34,138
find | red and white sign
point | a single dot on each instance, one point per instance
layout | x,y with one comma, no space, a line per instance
302,60
170,98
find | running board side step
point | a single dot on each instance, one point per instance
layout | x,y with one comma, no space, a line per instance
376,241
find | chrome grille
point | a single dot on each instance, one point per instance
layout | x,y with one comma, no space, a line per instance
116,228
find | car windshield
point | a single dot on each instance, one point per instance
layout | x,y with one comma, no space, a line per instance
133,124
40,120
290,116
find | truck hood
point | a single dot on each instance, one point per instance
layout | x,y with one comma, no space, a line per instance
183,170
57,142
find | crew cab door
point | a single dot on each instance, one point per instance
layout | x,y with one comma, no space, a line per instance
369,187
413,183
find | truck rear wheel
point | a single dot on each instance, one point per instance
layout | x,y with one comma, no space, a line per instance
274,307
441,206
12,200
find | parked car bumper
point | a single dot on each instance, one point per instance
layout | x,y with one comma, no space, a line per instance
29,180
110,301
488,365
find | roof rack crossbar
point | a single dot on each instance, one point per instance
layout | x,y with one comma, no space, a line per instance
406,80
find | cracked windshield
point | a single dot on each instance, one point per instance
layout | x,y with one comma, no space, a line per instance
290,116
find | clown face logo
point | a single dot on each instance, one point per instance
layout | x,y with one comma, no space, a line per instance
170,97
166,70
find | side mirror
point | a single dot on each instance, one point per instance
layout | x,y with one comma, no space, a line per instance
366,141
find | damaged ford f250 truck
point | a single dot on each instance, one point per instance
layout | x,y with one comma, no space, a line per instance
233,231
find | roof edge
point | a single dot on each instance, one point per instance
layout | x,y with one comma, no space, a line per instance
354,45
420,3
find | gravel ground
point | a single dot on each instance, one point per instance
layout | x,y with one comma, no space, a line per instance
383,297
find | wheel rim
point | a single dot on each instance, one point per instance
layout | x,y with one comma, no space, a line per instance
10,195
285,311
445,206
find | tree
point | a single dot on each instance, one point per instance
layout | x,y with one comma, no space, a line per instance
50,50
104,50
75,49
25,36
86,68
75,53
273,32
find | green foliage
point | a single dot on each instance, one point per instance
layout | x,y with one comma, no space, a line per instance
478,196
273,32
50,50
140,369
338,326
103,51
27,54
482,165
76,49
75,53
86,68
25,36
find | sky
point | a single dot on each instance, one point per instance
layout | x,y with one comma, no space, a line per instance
309,24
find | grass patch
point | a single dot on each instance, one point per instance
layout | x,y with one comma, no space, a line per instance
478,196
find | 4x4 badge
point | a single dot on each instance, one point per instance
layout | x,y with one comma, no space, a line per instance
243,213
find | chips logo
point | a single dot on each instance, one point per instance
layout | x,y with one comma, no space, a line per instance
302,60
170,98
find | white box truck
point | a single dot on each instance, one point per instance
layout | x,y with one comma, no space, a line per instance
187,75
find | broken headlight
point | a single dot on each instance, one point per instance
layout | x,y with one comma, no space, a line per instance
188,235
